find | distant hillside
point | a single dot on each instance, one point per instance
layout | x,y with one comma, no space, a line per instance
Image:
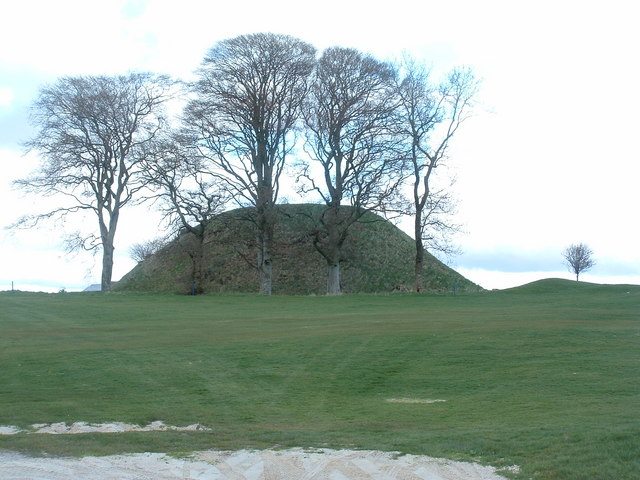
378,257
566,287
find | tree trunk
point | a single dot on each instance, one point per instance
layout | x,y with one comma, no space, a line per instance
197,263
264,261
266,273
419,272
107,264
333,278
331,248
266,219
419,266
107,234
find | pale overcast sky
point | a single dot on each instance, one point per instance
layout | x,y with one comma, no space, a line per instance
549,159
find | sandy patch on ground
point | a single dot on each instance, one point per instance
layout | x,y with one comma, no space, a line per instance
82,427
9,430
293,464
414,400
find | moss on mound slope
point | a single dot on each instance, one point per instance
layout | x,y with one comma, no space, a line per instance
378,257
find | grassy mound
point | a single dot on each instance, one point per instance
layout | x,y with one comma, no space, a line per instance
378,257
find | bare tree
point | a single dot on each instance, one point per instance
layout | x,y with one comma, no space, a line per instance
246,105
189,195
438,227
143,250
430,117
578,258
348,117
91,136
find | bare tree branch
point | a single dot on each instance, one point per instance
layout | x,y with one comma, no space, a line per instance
429,118
189,195
578,258
91,131
242,117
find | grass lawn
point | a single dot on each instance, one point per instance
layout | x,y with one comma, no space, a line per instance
545,376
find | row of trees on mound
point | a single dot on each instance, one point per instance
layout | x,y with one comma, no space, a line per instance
367,129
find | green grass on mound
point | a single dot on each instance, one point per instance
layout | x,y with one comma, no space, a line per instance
377,257
544,376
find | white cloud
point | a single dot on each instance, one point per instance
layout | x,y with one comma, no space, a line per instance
554,164
6,96
68,37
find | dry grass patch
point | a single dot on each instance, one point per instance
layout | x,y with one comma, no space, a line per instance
414,400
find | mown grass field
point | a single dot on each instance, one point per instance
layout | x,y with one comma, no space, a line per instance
545,376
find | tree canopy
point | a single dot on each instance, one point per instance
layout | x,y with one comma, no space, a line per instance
246,103
349,126
92,134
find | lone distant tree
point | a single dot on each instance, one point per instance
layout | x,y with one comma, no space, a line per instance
578,258
92,134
